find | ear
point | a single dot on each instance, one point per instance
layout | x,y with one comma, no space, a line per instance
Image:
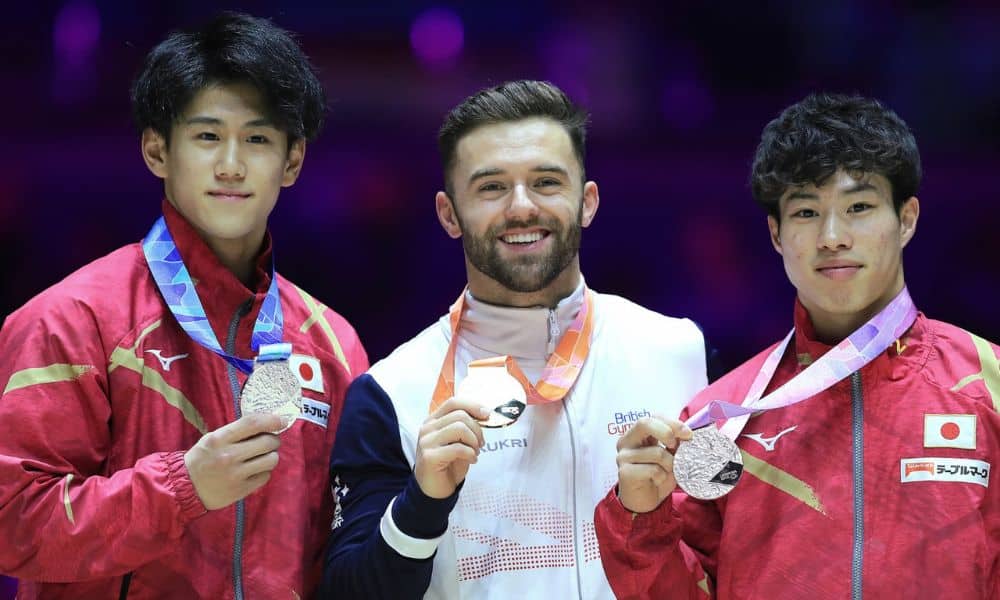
447,216
908,215
775,228
591,200
293,164
154,152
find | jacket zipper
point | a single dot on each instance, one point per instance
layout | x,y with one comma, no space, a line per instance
554,333
234,385
858,439
576,545
126,583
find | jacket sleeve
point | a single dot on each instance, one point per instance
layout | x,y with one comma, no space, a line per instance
63,517
647,556
385,530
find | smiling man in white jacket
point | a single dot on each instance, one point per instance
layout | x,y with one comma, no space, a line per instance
431,501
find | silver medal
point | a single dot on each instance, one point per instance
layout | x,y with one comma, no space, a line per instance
708,465
498,390
272,388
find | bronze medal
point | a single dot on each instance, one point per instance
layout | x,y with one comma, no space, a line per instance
272,388
708,465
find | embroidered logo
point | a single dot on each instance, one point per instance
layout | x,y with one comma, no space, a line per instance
339,490
950,431
768,443
165,361
307,369
961,470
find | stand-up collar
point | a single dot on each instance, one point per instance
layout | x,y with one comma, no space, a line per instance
523,333
219,290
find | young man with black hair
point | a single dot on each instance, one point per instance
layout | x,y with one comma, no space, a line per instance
435,503
868,474
127,468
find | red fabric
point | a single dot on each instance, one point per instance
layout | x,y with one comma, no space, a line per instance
134,507
928,539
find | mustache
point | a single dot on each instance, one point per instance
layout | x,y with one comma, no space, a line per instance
550,224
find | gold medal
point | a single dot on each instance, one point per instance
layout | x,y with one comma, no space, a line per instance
272,388
498,390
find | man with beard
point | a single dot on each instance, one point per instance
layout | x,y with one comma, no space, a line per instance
561,369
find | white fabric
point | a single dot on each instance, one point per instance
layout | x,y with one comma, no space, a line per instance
406,545
523,526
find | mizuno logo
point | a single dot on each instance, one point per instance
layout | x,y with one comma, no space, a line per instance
768,443
165,361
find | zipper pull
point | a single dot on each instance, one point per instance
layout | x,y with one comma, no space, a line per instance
554,332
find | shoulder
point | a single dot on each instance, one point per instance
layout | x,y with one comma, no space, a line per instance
415,362
733,384
99,293
963,362
627,319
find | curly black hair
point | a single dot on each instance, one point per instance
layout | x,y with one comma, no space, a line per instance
508,102
232,48
824,133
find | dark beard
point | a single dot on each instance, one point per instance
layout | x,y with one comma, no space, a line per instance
527,273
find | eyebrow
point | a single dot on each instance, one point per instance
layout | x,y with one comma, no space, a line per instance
491,171
857,188
202,120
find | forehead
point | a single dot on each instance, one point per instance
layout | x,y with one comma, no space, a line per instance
841,183
510,144
222,100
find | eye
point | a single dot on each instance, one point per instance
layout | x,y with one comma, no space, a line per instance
258,139
805,213
207,136
859,207
548,181
492,186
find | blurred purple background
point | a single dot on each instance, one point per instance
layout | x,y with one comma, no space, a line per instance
678,97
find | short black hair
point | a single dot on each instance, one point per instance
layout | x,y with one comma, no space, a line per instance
232,48
508,102
823,133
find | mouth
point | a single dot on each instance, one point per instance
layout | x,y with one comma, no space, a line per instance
229,195
524,240
839,270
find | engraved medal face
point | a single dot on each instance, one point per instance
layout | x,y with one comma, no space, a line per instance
498,390
708,465
272,388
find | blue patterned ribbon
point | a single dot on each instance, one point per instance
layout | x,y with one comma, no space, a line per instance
177,288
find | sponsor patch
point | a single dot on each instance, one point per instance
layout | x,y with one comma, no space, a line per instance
308,370
962,470
315,411
950,431
625,420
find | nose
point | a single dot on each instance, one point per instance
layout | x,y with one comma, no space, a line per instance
835,233
522,206
230,165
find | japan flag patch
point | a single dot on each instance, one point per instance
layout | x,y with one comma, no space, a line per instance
308,370
950,431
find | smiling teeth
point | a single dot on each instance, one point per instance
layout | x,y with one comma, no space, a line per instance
522,238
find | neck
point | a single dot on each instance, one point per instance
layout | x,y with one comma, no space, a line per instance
832,328
489,290
239,256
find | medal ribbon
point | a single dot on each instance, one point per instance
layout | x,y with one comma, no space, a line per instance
561,370
854,352
177,288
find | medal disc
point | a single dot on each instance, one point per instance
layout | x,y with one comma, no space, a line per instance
497,390
272,388
708,465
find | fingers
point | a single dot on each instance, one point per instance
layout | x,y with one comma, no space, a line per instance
259,465
247,426
442,457
649,455
472,407
655,430
460,429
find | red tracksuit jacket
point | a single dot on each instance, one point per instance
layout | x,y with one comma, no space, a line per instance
831,503
103,393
